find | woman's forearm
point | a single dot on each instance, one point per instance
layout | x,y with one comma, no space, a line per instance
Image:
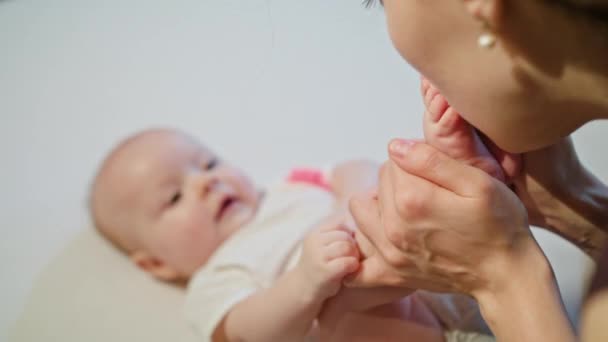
561,195
525,304
580,213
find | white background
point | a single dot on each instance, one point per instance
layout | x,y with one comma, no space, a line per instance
268,84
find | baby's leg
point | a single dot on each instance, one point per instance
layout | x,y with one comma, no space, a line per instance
383,301
380,312
369,327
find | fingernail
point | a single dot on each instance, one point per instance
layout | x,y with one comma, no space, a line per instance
399,147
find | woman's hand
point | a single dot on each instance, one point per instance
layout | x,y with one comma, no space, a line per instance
445,226
437,224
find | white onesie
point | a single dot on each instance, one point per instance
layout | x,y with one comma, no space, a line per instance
255,256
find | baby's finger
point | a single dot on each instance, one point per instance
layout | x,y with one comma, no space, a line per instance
337,235
339,249
344,226
332,223
341,267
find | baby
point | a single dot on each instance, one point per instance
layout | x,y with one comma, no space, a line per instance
175,207
259,265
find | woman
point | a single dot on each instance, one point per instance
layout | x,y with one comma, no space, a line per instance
526,74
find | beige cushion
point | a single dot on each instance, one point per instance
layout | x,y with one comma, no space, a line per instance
91,292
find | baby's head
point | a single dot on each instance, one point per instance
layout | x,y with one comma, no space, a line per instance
169,202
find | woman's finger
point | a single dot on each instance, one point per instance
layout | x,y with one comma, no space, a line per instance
364,209
376,249
420,159
373,272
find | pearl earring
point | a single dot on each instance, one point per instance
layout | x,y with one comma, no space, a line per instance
486,40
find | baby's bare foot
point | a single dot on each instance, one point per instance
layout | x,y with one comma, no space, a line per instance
445,130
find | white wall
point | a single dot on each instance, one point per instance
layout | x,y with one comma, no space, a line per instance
270,84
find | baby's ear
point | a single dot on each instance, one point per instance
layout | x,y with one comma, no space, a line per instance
154,266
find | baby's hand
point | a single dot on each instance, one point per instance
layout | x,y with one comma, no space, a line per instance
328,255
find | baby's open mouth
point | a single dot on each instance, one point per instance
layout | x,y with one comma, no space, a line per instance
224,206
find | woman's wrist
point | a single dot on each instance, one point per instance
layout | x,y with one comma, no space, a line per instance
522,301
509,273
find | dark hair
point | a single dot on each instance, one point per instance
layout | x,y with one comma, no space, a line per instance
596,10
372,3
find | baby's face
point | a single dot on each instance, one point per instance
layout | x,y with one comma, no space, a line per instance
183,201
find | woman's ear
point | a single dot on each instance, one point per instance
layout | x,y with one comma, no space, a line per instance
154,266
488,12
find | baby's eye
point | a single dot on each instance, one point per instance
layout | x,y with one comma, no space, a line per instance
211,164
175,198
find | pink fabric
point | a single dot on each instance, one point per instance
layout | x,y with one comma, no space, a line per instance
313,177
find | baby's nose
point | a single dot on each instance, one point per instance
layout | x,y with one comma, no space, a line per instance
211,184
204,184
